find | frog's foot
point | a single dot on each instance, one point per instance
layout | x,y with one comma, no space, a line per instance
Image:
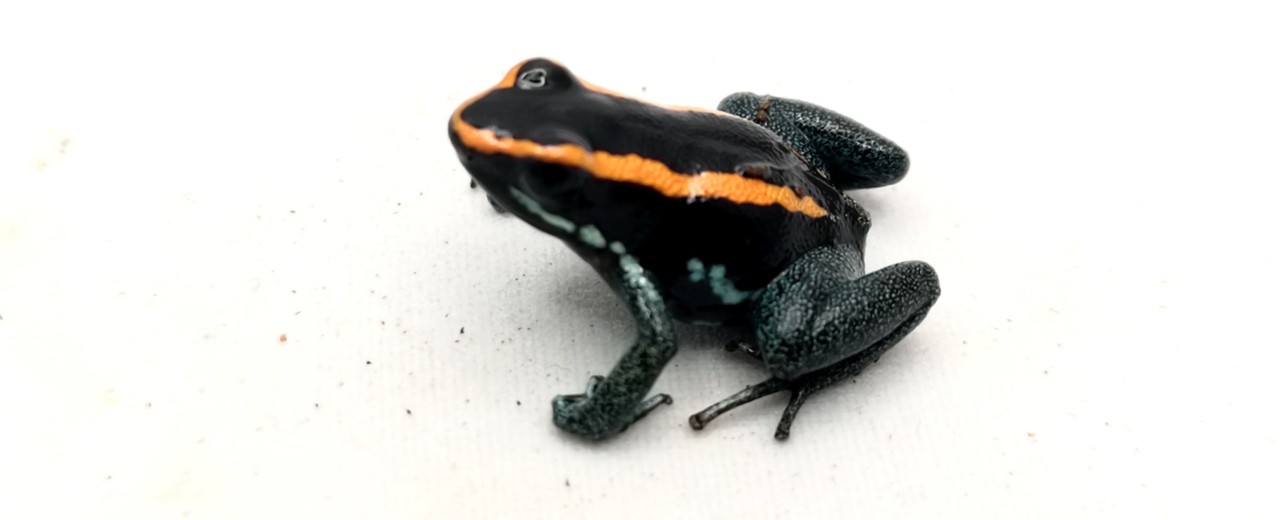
592,383
812,383
699,420
800,390
808,347
591,416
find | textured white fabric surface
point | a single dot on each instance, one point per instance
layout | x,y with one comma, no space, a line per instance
242,274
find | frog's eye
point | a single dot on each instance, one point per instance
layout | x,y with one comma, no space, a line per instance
531,79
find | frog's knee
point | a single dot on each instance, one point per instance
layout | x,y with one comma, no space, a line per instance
819,319
742,104
871,162
922,279
784,352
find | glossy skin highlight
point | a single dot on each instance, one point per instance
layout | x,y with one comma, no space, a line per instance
700,215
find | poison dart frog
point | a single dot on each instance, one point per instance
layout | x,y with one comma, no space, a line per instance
729,216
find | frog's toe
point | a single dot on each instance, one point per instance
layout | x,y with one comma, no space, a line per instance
592,383
751,393
649,405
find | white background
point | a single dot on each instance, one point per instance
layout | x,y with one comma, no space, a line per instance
237,255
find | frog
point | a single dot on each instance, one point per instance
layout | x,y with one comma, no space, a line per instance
733,216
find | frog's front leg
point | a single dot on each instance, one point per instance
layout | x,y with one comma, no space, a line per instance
852,156
821,321
611,404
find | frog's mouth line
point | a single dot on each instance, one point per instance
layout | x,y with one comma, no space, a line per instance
630,168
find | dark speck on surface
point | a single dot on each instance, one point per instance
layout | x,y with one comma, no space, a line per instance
462,330
408,411
517,403
368,362
566,482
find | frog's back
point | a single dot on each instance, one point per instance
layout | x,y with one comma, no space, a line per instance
750,206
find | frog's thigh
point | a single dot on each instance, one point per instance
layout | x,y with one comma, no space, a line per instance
820,312
851,155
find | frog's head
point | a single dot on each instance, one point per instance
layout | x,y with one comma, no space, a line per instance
523,141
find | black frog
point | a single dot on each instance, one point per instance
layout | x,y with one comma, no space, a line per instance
735,215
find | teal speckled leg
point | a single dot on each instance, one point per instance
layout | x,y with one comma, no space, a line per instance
611,404
850,155
821,321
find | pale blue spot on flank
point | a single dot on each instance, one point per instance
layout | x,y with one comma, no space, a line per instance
724,288
556,221
630,265
591,236
697,272
618,248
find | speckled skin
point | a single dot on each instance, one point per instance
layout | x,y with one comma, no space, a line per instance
848,154
797,280
823,321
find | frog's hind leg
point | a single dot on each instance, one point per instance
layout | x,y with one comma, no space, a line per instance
850,155
821,322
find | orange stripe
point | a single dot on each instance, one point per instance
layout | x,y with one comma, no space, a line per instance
632,168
